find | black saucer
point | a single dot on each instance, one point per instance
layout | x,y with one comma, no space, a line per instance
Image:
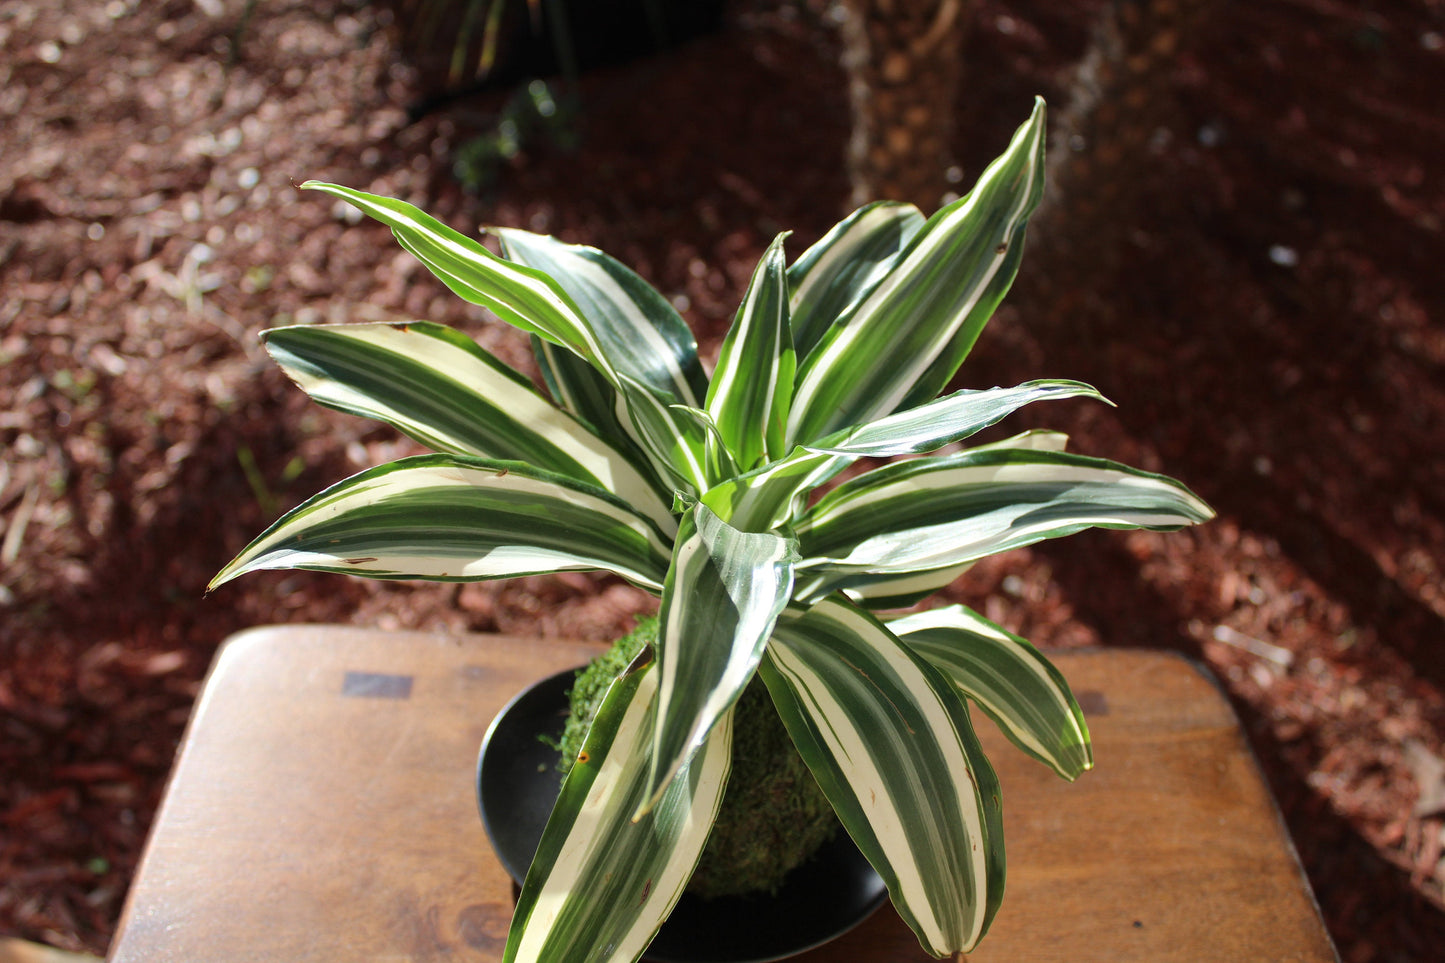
518,781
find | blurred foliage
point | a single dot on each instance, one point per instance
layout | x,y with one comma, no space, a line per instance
472,27
531,112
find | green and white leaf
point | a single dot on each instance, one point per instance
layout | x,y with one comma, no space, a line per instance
949,419
718,460
673,439
889,740
929,514
884,592
441,388
925,315
1035,439
452,518
519,295
723,593
602,883
899,591
846,264
536,303
770,496
635,327
1012,681
579,388
752,386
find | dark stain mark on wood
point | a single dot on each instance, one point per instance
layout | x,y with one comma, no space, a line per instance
376,685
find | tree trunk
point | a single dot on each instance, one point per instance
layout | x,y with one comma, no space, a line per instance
903,63
1121,113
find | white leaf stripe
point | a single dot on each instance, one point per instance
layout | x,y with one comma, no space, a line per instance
946,420
723,593
1013,682
995,471
601,883
452,518
441,388
767,497
890,743
641,426
844,265
536,303
675,443
718,461
574,384
518,294
639,331
1037,439
581,389
753,384
922,306
894,592
932,513
952,351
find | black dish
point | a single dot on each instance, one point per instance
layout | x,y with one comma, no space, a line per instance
518,781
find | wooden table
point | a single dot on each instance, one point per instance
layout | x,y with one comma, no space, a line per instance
322,808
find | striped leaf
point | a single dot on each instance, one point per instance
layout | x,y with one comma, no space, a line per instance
674,440
889,740
718,460
928,514
925,315
534,302
899,591
886,591
845,265
770,496
1035,439
440,387
452,518
949,419
668,438
723,593
752,386
636,329
601,883
677,445
518,295
579,388
1011,680
882,592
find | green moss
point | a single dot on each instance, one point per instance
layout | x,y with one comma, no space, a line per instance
773,816
591,686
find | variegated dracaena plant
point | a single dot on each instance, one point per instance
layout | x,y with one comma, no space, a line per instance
697,489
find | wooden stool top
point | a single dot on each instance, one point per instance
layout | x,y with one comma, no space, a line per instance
322,808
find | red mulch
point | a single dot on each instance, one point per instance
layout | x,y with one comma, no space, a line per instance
1275,340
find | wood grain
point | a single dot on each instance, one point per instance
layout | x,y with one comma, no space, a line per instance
322,808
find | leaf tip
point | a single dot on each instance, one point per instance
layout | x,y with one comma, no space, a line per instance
657,784
220,578
648,804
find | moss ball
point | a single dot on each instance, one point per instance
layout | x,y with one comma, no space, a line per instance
773,815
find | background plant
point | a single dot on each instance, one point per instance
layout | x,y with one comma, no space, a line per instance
698,489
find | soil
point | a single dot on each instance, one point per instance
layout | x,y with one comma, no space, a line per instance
1273,338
